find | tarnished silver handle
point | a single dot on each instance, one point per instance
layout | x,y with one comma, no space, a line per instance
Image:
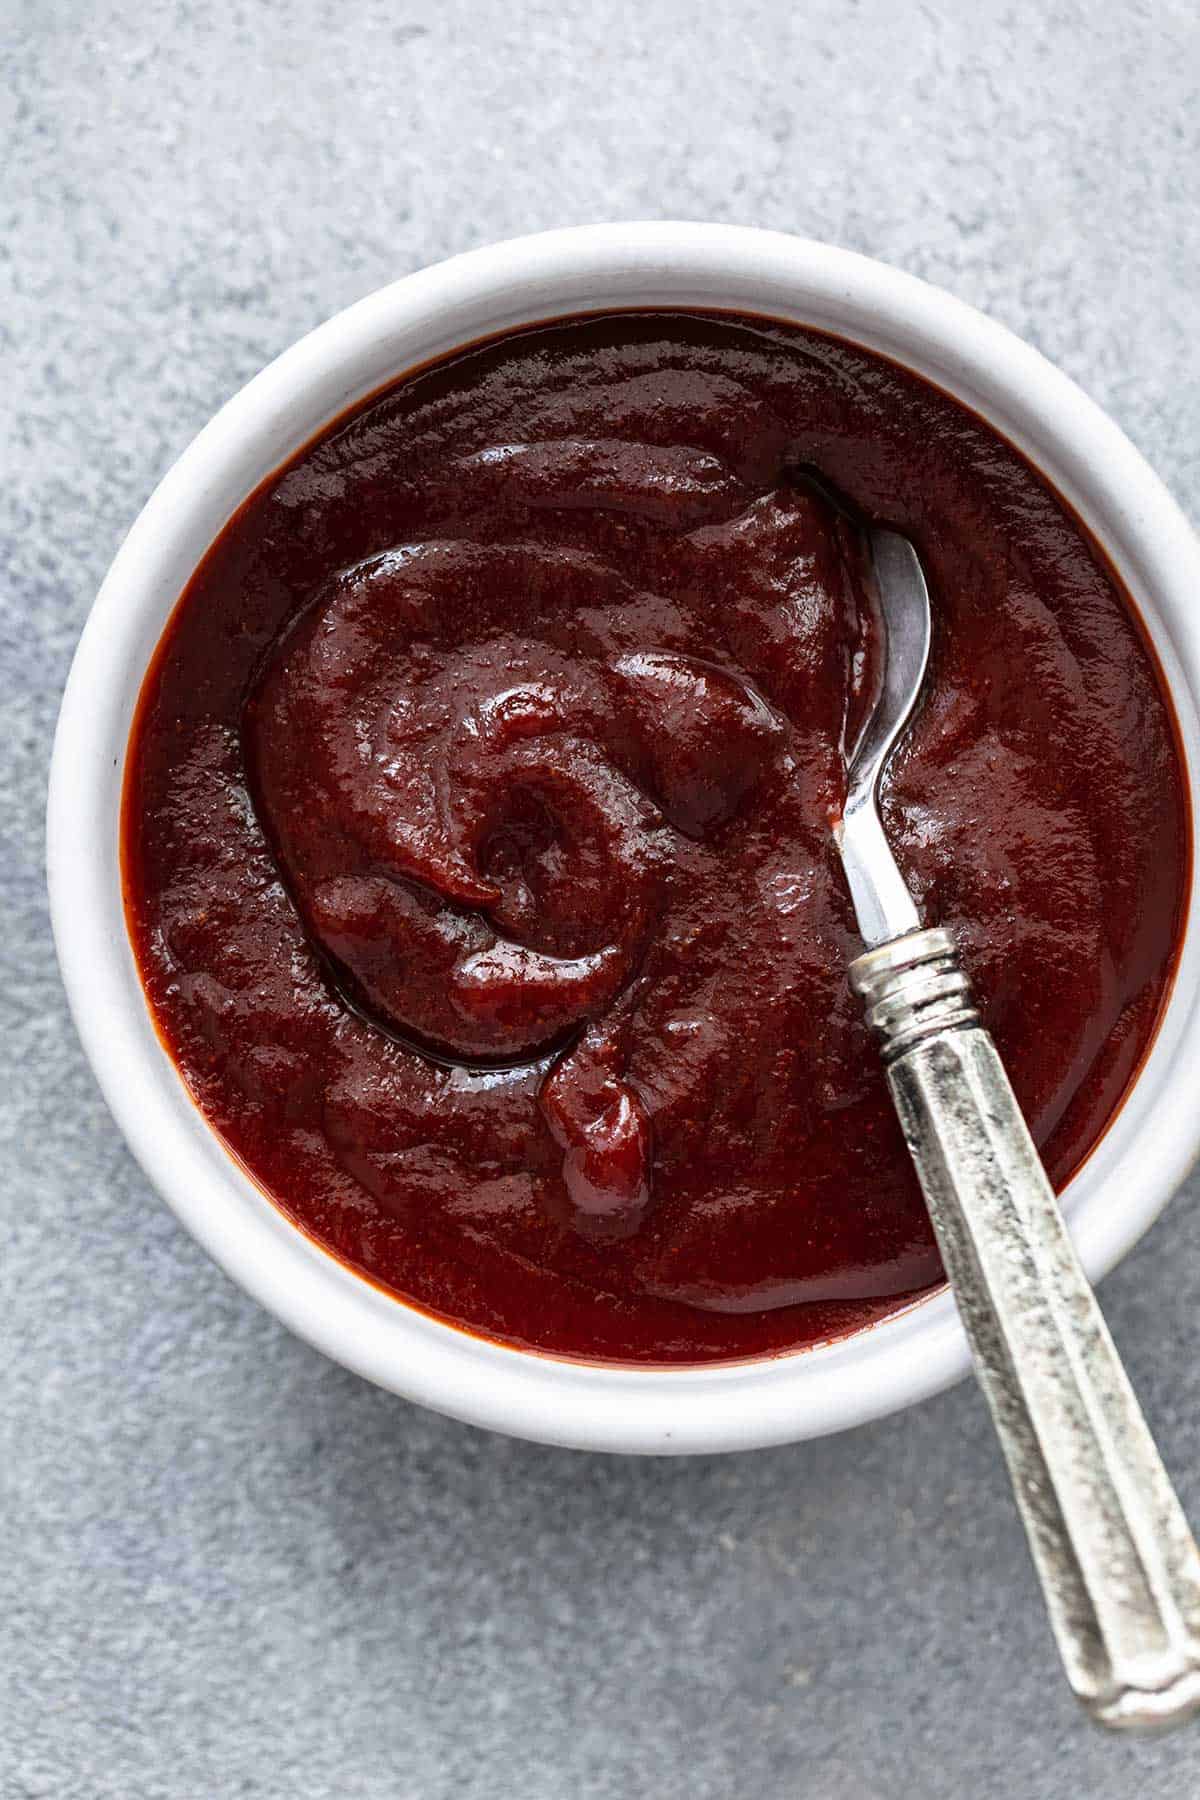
1118,1564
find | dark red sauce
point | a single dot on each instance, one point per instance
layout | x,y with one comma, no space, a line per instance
476,835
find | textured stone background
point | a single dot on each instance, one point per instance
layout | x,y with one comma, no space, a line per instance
229,1568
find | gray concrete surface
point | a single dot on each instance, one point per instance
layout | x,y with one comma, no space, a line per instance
228,1568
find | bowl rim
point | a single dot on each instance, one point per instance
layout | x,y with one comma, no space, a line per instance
1110,1201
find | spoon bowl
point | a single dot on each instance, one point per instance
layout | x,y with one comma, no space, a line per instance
882,903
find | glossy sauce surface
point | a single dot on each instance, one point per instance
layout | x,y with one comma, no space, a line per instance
477,829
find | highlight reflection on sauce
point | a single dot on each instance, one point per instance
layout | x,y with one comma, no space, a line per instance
477,829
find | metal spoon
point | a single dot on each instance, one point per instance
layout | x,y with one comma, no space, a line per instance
1118,1565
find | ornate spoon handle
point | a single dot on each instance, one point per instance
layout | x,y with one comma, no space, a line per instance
1117,1562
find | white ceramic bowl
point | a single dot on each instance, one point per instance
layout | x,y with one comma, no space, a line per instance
1113,1198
